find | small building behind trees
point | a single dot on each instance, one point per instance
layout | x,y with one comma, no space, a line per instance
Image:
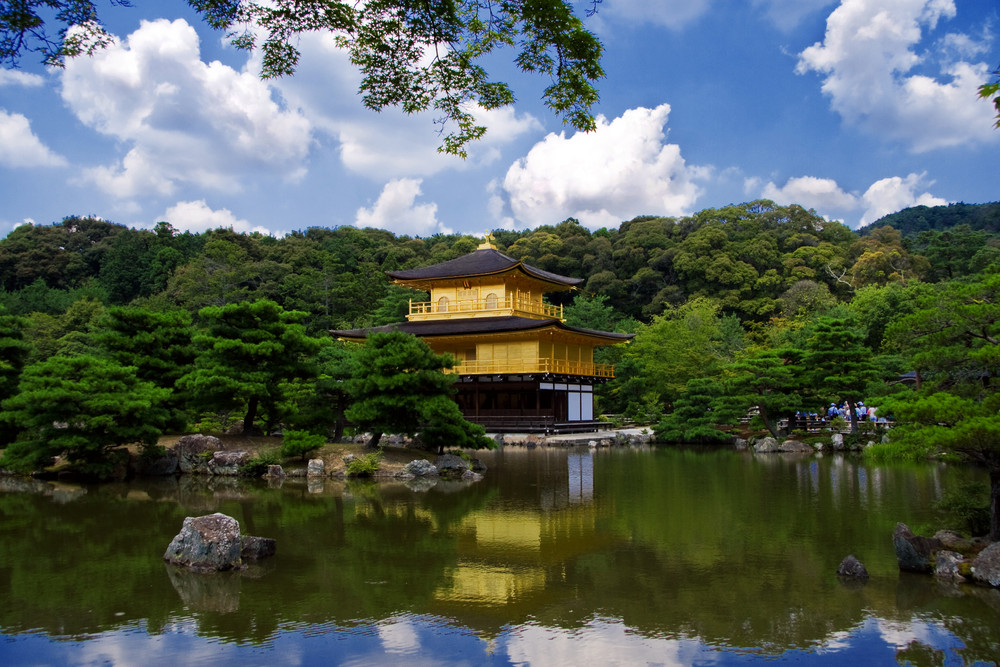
521,368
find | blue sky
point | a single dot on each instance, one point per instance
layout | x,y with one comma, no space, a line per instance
855,108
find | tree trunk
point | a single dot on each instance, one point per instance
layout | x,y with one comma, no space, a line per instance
373,443
250,415
852,416
994,504
767,422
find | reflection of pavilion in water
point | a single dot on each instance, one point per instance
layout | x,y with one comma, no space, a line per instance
515,563
510,558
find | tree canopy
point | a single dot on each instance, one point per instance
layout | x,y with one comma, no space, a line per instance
952,340
81,406
398,386
250,351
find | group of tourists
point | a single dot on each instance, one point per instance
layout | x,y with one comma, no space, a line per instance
861,412
813,420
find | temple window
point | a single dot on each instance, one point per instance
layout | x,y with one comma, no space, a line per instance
491,301
443,304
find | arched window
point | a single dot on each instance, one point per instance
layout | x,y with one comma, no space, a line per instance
443,304
491,301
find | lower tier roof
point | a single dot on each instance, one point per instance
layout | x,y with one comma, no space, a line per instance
471,326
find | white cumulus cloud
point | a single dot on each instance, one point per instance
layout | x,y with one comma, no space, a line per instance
894,194
622,169
829,199
198,216
391,143
187,122
19,147
13,77
397,210
810,192
878,75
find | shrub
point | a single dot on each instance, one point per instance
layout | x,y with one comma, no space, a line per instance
364,465
300,443
257,466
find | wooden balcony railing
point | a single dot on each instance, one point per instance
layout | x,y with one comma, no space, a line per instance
534,366
473,306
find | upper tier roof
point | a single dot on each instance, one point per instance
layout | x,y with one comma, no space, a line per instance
483,262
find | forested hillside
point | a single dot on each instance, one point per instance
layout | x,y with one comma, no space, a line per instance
758,260
911,221
749,306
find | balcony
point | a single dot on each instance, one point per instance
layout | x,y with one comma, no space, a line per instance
489,307
522,367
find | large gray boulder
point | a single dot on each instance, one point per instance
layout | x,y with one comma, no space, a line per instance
194,452
451,465
795,446
420,468
766,445
914,553
212,543
209,543
986,566
316,468
228,463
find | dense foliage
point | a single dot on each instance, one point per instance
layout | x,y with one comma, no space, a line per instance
81,407
743,316
397,386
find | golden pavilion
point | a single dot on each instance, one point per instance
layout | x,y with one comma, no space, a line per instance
521,368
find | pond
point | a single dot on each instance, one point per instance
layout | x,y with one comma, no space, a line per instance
560,556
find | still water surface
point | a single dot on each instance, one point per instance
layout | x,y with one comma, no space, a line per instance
560,556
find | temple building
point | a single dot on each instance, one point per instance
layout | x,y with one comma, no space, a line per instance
521,368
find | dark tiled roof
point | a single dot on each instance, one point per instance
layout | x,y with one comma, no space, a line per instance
480,263
477,325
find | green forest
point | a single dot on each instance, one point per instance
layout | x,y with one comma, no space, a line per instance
111,334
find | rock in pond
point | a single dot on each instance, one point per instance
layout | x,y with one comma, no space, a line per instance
420,468
212,543
228,463
986,566
766,445
852,568
209,543
914,553
795,446
837,441
948,565
316,468
449,464
257,548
